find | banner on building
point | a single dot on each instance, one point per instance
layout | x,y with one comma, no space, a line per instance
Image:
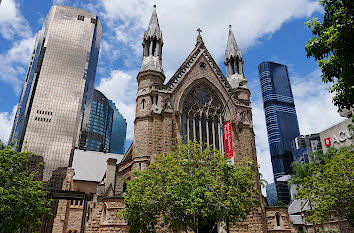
229,152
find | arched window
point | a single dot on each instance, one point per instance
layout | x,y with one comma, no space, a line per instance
154,47
202,119
143,103
277,217
232,63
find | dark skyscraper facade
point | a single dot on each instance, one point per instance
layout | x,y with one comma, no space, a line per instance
281,121
58,86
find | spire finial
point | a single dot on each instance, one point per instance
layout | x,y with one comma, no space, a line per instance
154,6
199,31
199,37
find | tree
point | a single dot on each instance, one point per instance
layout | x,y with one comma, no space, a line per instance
22,199
328,185
193,187
333,47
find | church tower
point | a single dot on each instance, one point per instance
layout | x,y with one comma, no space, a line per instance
234,63
149,128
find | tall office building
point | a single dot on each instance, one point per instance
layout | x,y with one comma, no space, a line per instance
271,192
58,86
96,133
119,131
105,129
281,121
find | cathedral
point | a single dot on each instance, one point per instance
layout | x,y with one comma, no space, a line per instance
193,104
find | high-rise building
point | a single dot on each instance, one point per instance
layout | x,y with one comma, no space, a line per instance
105,128
96,133
281,121
304,145
58,86
119,131
271,194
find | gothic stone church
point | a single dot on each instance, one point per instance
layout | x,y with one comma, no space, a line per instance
194,103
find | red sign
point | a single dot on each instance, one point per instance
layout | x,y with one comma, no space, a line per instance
229,152
327,141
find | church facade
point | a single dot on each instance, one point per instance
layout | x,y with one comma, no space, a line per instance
193,104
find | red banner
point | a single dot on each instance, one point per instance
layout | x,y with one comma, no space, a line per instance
229,152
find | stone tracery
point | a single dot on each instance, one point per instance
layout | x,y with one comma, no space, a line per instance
202,116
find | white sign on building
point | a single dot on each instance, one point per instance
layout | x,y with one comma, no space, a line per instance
337,136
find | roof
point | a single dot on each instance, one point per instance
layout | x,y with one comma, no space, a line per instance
154,27
296,220
231,47
91,165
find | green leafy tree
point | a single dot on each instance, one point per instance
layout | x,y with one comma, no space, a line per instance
328,185
333,47
22,199
191,188
279,203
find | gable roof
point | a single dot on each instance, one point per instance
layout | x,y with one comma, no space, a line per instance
201,50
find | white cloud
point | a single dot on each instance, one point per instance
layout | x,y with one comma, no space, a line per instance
179,20
6,122
12,22
313,103
121,88
14,62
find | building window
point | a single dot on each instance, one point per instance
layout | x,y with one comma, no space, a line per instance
202,116
277,217
143,103
93,20
80,17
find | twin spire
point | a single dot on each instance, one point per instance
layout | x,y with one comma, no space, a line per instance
152,46
152,52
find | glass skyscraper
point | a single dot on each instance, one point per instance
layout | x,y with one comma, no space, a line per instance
281,121
96,133
119,131
58,86
105,128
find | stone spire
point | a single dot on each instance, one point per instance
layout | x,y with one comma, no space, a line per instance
152,46
234,63
231,47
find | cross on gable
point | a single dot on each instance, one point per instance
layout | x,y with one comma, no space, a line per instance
199,31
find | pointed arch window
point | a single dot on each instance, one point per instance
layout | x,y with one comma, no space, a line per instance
234,62
202,116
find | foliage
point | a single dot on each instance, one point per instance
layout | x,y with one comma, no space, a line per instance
333,47
279,203
190,188
328,185
22,199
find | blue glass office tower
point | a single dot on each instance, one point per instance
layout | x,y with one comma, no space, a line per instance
271,194
96,133
281,121
119,131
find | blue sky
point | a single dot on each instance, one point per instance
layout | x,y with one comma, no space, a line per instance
265,30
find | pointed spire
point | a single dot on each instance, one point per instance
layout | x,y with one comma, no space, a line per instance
231,48
153,29
234,63
152,46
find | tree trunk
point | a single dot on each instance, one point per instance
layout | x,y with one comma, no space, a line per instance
227,226
340,225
